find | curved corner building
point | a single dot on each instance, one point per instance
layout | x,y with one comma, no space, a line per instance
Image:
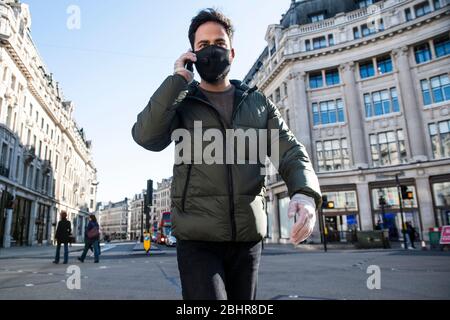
365,87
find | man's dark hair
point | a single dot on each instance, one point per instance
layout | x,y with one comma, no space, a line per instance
208,15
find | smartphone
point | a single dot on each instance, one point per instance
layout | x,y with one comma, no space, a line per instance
189,66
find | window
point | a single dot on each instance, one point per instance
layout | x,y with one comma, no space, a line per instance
277,95
388,148
330,40
408,15
37,117
367,31
13,82
332,155
384,64
440,139
315,80
366,69
40,150
42,123
437,4
307,45
332,77
319,42
394,97
442,47
422,53
285,89
422,9
380,25
326,112
381,102
439,91
364,3
356,33
317,17
18,163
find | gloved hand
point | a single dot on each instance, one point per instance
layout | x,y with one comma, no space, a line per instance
180,65
305,208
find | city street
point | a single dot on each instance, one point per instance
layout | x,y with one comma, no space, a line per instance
286,274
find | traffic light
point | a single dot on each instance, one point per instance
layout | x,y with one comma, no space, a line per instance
327,204
406,194
324,202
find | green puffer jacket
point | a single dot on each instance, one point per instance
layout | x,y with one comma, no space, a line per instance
221,202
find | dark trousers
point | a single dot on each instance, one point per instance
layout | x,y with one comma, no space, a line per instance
87,244
58,252
218,270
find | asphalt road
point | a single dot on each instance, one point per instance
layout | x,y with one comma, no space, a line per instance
285,273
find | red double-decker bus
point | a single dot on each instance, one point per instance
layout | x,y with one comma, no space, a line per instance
164,228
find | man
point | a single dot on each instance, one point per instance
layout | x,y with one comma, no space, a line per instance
218,209
62,236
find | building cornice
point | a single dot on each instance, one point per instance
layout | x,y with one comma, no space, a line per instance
289,59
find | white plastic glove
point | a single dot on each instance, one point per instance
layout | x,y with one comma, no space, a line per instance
305,208
180,65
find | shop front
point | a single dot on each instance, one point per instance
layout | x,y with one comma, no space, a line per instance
386,213
42,224
440,186
20,227
342,221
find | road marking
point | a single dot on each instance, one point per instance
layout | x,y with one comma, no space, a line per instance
19,271
50,274
29,285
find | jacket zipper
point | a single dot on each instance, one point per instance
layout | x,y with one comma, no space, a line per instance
230,176
186,183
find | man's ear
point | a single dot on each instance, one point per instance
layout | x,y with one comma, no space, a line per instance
232,54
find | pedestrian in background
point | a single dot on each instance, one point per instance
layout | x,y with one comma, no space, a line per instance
62,236
91,238
411,232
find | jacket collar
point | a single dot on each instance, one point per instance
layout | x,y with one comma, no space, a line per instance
241,88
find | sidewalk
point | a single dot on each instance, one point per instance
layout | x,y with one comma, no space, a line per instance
36,251
349,246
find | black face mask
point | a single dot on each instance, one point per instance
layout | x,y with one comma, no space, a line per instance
213,63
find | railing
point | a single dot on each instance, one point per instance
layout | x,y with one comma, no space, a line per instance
317,25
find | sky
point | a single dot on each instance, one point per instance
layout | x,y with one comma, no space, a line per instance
110,64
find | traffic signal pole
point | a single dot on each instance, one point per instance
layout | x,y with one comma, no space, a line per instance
400,201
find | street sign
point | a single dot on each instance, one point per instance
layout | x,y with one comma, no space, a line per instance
147,242
445,235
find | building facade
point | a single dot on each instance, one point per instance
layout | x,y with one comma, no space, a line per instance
114,219
45,164
137,214
161,199
364,85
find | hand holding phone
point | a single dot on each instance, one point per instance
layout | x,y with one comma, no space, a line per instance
184,65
